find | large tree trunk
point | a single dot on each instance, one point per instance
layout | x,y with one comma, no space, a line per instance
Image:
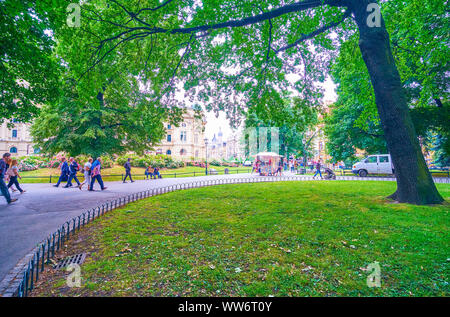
414,182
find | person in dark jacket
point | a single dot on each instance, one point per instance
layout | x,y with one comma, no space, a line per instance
318,166
64,172
73,169
156,172
3,187
127,166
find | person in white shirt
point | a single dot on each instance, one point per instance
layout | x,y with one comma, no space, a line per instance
87,174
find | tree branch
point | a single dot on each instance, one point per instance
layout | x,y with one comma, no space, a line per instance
314,33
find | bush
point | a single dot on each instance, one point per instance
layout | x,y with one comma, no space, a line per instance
215,163
160,161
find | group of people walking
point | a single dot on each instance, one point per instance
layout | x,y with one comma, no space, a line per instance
91,171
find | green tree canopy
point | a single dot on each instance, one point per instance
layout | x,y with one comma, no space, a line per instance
295,119
419,35
231,56
28,69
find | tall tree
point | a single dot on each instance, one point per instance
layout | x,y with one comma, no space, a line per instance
232,55
419,36
28,68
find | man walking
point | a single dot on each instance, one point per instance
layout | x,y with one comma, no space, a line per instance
73,169
95,174
127,166
64,172
3,187
318,166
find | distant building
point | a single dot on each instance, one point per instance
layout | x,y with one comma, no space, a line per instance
16,139
185,142
319,140
217,148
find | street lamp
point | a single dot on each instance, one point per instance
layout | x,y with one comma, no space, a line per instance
206,148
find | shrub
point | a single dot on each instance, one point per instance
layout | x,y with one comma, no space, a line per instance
214,162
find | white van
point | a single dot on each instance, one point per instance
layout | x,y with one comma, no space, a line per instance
374,164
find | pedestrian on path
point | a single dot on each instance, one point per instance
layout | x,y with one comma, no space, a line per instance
73,169
13,173
87,174
64,172
318,166
8,172
95,174
3,188
127,167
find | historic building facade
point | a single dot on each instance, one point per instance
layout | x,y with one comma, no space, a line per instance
217,148
16,139
186,142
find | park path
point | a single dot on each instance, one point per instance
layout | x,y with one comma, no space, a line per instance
44,208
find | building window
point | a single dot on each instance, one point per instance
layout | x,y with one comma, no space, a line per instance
183,124
182,152
169,138
169,152
196,153
14,133
13,150
159,151
169,126
183,136
196,138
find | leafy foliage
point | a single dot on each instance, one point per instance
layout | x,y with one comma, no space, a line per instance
295,119
419,36
28,69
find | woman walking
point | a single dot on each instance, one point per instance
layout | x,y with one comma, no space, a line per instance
87,174
13,173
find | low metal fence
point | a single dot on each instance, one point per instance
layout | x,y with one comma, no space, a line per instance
54,242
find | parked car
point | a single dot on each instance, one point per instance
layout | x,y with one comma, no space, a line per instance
374,164
247,163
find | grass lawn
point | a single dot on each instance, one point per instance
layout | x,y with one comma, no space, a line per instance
280,239
42,175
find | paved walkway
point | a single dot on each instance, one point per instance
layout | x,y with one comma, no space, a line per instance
44,208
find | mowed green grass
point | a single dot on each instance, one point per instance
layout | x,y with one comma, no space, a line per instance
280,239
